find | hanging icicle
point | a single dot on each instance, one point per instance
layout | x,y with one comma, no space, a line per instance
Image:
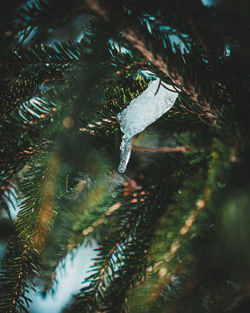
142,111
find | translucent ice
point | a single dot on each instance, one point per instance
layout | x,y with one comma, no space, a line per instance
125,153
141,112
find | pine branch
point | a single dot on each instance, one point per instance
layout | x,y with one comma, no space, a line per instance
186,248
40,15
17,272
79,224
63,249
133,34
43,55
21,262
167,278
14,95
8,192
174,75
122,257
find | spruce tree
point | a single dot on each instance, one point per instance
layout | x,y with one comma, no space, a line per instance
173,230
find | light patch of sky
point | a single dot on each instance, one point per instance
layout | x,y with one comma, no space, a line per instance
208,2
69,278
69,282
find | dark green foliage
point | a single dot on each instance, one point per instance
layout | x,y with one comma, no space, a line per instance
173,232
17,271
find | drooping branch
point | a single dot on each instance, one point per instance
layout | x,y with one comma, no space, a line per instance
132,34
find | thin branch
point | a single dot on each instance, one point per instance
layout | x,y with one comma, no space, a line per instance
20,279
162,149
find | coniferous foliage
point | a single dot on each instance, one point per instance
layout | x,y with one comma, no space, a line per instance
172,232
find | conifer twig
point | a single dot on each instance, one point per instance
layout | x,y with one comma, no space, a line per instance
162,149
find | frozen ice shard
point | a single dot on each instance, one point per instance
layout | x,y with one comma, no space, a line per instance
141,112
125,153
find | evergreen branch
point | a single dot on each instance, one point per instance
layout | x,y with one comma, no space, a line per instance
34,110
126,69
38,15
174,75
122,258
36,224
166,276
75,244
47,62
186,250
24,155
5,182
14,95
17,271
8,193
31,116
43,55
69,234
32,227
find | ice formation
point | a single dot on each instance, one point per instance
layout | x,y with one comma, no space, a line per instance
141,112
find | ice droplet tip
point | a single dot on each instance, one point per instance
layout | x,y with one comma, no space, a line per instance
121,168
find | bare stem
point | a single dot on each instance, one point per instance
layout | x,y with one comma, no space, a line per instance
162,149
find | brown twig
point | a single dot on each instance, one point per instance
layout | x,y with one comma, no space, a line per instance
162,149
